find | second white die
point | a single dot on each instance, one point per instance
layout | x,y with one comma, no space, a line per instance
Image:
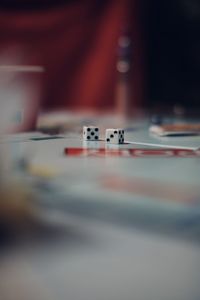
115,136
90,133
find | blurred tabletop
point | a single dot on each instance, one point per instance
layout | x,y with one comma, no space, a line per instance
114,222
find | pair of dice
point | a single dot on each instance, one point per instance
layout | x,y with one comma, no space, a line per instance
113,136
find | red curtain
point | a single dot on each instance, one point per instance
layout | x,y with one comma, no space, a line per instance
76,42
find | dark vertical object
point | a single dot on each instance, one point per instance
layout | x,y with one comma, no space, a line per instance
123,66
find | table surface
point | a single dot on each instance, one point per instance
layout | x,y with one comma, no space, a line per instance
118,226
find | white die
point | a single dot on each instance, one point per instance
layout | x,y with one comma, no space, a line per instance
90,133
115,136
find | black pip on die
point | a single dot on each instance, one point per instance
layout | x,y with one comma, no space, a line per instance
90,133
115,136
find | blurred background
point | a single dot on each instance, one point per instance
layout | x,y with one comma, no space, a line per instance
85,47
173,29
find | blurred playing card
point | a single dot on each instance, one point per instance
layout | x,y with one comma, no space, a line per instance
175,129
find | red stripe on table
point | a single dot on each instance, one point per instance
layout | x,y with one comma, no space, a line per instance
103,152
